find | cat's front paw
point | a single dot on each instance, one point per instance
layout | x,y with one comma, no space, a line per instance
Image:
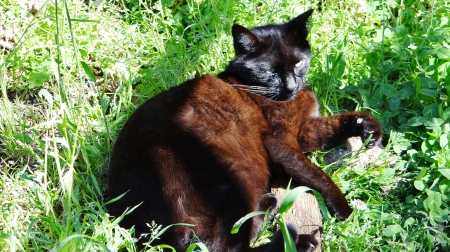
341,209
368,127
337,203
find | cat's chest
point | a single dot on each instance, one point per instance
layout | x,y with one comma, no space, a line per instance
288,117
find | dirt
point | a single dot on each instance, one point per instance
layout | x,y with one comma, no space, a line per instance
9,33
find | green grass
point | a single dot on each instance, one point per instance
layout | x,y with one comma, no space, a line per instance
78,71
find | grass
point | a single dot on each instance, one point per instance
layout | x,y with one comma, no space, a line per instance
79,70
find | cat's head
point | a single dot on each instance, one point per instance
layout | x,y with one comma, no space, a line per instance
272,60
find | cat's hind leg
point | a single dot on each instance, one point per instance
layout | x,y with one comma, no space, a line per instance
268,202
303,242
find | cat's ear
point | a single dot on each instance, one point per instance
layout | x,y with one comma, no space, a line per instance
244,40
298,24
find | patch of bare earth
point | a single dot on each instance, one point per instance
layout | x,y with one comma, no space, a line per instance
8,34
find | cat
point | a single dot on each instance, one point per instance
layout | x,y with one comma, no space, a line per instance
204,152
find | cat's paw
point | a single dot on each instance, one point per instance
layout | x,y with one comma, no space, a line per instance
344,212
337,205
303,242
306,243
268,201
368,126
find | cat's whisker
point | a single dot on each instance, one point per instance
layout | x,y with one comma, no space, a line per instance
258,90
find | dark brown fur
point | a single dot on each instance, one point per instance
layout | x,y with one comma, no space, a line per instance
204,153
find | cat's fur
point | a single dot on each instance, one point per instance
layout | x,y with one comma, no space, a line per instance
204,152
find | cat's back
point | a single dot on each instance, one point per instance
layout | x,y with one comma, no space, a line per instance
206,107
186,154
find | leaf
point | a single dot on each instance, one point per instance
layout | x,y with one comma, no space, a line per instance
416,121
445,172
440,215
389,90
443,53
290,197
392,230
177,224
161,247
434,123
201,245
444,185
37,79
394,103
241,221
419,185
428,92
406,92
443,141
88,71
288,241
431,111
429,83
410,221
433,201
401,145
47,96
322,206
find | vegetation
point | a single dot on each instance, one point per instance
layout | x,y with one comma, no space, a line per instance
79,69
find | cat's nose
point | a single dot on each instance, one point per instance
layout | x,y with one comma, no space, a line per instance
291,83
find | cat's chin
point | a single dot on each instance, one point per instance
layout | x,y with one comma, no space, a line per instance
287,95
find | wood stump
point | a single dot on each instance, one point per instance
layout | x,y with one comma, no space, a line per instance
305,213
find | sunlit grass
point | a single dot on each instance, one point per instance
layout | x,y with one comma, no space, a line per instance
60,120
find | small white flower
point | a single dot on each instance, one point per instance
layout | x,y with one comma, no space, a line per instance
358,204
412,46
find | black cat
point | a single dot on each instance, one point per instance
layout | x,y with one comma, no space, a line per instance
204,152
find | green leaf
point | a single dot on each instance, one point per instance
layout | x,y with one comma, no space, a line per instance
394,103
443,53
392,230
434,123
37,79
322,206
88,71
201,245
169,226
417,121
445,172
440,215
410,221
47,96
419,185
429,83
406,92
163,246
288,241
433,201
443,140
431,111
290,197
389,90
428,92
241,221
444,185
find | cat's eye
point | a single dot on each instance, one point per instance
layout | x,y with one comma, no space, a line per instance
299,64
272,70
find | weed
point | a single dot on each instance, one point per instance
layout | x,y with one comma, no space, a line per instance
78,70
